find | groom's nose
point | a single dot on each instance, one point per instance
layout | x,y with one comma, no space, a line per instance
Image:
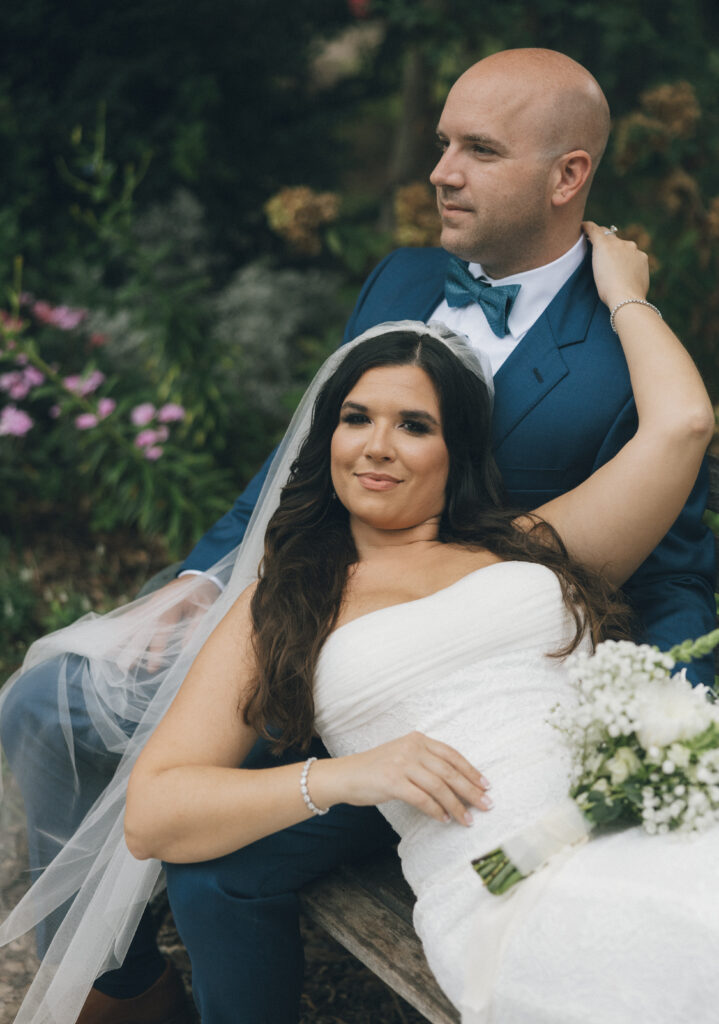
447,172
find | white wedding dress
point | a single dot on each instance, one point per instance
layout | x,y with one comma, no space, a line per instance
622,930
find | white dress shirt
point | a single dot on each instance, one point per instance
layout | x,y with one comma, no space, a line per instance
538,288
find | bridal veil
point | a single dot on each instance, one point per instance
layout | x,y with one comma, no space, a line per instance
88,900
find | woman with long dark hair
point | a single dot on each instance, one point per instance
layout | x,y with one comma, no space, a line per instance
415,623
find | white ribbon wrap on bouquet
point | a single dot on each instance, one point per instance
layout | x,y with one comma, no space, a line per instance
563,826
546,844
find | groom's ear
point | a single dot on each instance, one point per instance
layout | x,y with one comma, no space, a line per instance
571,175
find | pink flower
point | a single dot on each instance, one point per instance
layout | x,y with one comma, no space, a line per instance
21,360
142,414
55,411
105,406
14,421
92,382
14,385
33,377
59,316
19,390
154,453
148,437
97,340
171,413
68,319
86,421
84,385
19,383
42,311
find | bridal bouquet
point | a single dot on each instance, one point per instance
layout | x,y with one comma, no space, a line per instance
645,751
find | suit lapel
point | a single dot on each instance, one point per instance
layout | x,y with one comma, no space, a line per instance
536,365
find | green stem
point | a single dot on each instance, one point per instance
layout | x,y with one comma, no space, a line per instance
689,649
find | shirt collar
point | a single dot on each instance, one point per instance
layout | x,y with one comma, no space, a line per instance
539,286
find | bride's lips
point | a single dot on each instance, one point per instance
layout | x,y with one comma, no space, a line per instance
377,481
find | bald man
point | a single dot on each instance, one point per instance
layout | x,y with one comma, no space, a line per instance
521,134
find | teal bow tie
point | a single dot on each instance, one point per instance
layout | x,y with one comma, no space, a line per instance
460,288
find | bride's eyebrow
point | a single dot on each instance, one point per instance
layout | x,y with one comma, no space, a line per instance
419,414
409,414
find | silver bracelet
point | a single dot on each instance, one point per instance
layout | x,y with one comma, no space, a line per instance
305,792
625,302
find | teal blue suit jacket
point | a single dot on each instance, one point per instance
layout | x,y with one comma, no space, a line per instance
563,407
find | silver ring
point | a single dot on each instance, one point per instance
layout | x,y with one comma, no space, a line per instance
612,230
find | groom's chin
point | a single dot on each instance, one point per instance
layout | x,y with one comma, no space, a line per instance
457,244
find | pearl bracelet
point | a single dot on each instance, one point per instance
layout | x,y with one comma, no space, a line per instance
625,302
305,792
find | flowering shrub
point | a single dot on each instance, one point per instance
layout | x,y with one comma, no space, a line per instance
62,436
297,214
415,214
665,155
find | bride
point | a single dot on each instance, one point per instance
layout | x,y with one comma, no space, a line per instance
419,628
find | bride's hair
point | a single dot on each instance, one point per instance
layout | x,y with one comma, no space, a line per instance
309,547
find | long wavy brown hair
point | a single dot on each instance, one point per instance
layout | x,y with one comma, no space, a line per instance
309,549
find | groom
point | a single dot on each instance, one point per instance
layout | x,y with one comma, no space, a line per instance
521,134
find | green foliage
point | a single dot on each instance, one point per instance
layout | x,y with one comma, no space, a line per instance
196,85
18,625
141,145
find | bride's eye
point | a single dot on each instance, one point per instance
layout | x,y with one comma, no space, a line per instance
415,426
354,418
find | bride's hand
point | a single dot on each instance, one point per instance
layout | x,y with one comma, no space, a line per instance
621,270
428,774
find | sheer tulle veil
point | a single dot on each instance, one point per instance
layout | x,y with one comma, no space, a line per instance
92,894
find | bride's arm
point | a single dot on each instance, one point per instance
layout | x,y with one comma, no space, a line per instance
189,800
613,520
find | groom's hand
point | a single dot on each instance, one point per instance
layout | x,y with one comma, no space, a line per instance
426,773
182,600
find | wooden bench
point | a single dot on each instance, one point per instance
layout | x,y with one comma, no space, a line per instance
367,907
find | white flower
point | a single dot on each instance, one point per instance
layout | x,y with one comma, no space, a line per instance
679,755
671,711
624,763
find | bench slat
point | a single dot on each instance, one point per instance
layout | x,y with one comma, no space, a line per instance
368,910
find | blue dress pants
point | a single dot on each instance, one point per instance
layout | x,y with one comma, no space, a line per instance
238,915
